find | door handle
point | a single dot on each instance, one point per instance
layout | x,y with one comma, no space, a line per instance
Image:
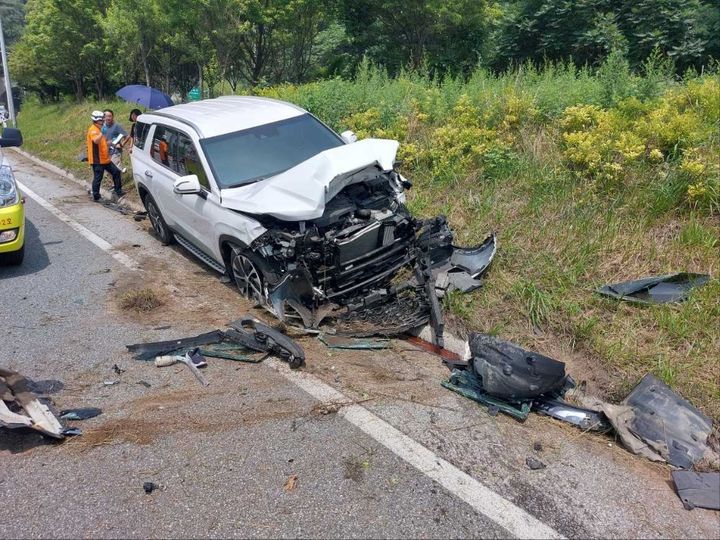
148,174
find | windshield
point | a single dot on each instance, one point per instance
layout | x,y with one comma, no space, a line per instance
257,153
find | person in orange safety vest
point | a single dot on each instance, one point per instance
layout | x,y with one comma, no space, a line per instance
98,156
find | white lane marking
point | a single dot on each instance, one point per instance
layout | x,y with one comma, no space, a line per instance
86,233
496,508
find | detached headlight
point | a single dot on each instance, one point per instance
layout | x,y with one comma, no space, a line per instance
8,189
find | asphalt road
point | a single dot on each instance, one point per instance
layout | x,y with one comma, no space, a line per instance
225,456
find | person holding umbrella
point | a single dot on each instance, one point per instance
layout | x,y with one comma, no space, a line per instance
98,157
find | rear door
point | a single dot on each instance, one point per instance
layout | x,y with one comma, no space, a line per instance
161,175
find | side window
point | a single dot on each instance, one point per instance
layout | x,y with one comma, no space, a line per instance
188,161
160,149
141,131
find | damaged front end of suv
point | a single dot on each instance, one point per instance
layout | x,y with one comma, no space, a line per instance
347,248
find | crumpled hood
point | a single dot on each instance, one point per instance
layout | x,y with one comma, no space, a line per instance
300,193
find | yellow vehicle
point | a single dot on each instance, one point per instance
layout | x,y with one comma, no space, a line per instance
12,207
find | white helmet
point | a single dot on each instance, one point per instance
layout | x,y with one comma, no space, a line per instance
97,115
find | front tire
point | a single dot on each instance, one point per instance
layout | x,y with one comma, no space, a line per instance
247,276
163,232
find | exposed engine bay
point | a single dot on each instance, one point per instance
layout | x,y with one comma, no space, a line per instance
366,262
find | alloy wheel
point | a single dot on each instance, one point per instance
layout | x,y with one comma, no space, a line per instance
247,278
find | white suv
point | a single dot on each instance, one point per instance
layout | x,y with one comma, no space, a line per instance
306,222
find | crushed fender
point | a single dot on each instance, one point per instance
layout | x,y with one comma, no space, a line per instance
698,490
21,408
341,342
656,289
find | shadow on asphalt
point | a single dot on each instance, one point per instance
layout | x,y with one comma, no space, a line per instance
36,257
17,441
20,440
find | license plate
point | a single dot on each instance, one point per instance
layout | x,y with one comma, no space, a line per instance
6,221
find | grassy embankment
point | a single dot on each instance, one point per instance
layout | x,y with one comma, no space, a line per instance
587,179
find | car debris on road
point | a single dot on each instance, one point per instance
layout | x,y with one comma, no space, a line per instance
192,359
698,490
652,421
534,464
15,391
21,407
246,333
341,342
657,289
507,377
84,413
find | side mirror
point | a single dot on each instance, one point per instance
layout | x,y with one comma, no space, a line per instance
348,136
11,137
187,185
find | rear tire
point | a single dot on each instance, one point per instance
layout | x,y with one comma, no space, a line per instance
162,231
13,258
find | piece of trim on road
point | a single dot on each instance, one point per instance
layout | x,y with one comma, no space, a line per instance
504,513
86,233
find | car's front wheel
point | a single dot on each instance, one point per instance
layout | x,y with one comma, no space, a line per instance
247,275
158,223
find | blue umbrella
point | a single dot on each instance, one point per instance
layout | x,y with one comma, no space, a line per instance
147,96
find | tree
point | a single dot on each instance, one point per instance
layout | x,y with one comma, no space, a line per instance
62,46
587,30
670,26
13,19
133,28
447,34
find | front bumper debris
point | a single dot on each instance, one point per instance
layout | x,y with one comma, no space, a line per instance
245,334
